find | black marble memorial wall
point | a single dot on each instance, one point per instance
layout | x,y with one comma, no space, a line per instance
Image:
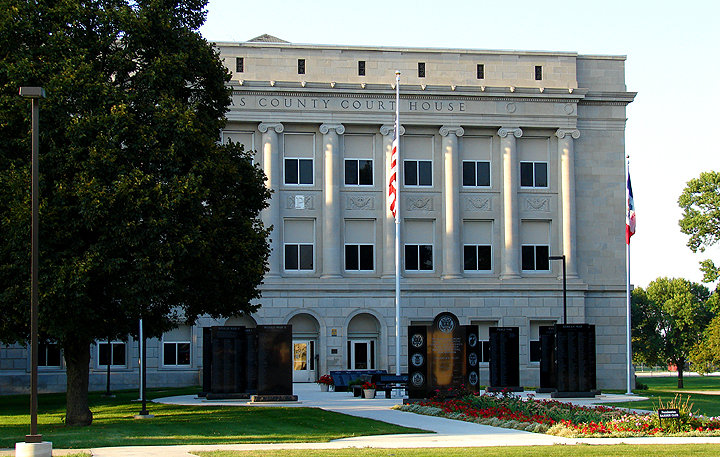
504,359
575,359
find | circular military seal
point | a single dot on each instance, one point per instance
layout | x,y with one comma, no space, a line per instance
417,360
472,359
472,340
446,324
418,380
417,340
473,378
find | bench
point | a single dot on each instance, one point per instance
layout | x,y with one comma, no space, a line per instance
387,382
343,378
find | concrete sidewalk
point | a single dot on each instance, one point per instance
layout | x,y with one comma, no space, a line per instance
441,432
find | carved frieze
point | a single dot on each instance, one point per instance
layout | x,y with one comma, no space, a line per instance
477,203
360,202
537,204
419,203
300,202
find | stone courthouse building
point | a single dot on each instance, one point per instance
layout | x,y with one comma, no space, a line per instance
506,158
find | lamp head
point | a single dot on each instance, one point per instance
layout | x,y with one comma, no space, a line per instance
32,92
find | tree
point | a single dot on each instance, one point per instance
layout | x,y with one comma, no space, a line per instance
705,356
142,212
673,315
700,202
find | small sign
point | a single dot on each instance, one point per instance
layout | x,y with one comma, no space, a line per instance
299,202
673,413
333,332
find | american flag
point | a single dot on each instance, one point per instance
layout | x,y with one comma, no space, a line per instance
629,211
392,186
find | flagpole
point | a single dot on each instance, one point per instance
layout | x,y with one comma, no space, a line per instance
628,328
397,226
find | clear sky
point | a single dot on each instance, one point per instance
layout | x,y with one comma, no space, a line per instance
673,62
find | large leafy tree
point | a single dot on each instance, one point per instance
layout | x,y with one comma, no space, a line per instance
700,202
669,318
142,212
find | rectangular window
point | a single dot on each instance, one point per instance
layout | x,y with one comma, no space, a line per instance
477,257
239,64
418,257
418,172
114,354
358,172
176,353
359,257
480,71
476,173
421,69
361,68
535,257
484,339
538,72
49,355
299,171
298,256
301,66
536,328
533,174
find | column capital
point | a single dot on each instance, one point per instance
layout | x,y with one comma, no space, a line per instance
325,128
265,126
574,133
514,131
446,130
388,129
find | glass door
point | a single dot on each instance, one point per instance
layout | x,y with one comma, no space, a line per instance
303,360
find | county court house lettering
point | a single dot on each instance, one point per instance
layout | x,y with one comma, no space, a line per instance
506,158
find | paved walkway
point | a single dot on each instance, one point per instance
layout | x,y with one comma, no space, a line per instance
441,432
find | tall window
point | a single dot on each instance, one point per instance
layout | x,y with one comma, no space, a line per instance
113,353
301,66
49,355
359,245
477,257
476,173
176,347
361,68
417,173
533,174
480,71
299,236
538,72
239,64
299,153
421,69
358,172
477,245
535,257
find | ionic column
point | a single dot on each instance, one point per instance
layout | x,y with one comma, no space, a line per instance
511,222
567,190
388,258
452,266
271,214
332,250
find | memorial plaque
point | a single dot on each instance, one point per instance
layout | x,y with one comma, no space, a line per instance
504,359
472,358
417,361
228,360
575,359
548,380
446,353
251,366
207,361
274,360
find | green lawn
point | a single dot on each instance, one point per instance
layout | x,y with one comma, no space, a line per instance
580,450
114,424
665,388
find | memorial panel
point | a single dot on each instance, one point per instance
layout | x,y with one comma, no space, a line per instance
417,361
274,360
504,359
548,374
575,360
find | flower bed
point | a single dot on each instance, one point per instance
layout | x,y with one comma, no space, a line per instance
564,419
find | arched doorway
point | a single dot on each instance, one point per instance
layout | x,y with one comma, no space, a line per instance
305,331
363,335
241,320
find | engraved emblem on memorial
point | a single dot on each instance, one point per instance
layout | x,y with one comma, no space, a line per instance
418,380
446,324
473,379
417,360
473,359
418,340
472,340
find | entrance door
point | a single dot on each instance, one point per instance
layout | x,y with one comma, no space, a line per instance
303,360
362,354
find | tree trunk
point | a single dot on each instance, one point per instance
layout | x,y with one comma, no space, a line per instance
680,367
77,362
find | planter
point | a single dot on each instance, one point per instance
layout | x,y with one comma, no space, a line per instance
324,387
368,393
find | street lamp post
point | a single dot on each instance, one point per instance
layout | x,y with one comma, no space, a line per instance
562,257
35,94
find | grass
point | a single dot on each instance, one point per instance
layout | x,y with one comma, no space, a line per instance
665,388
580,450
114,425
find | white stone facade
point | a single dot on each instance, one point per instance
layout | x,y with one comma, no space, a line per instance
510,156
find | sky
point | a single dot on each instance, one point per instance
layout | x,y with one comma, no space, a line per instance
673,64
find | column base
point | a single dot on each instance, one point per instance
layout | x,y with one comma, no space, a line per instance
452,276
41,449
330,276
509,276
